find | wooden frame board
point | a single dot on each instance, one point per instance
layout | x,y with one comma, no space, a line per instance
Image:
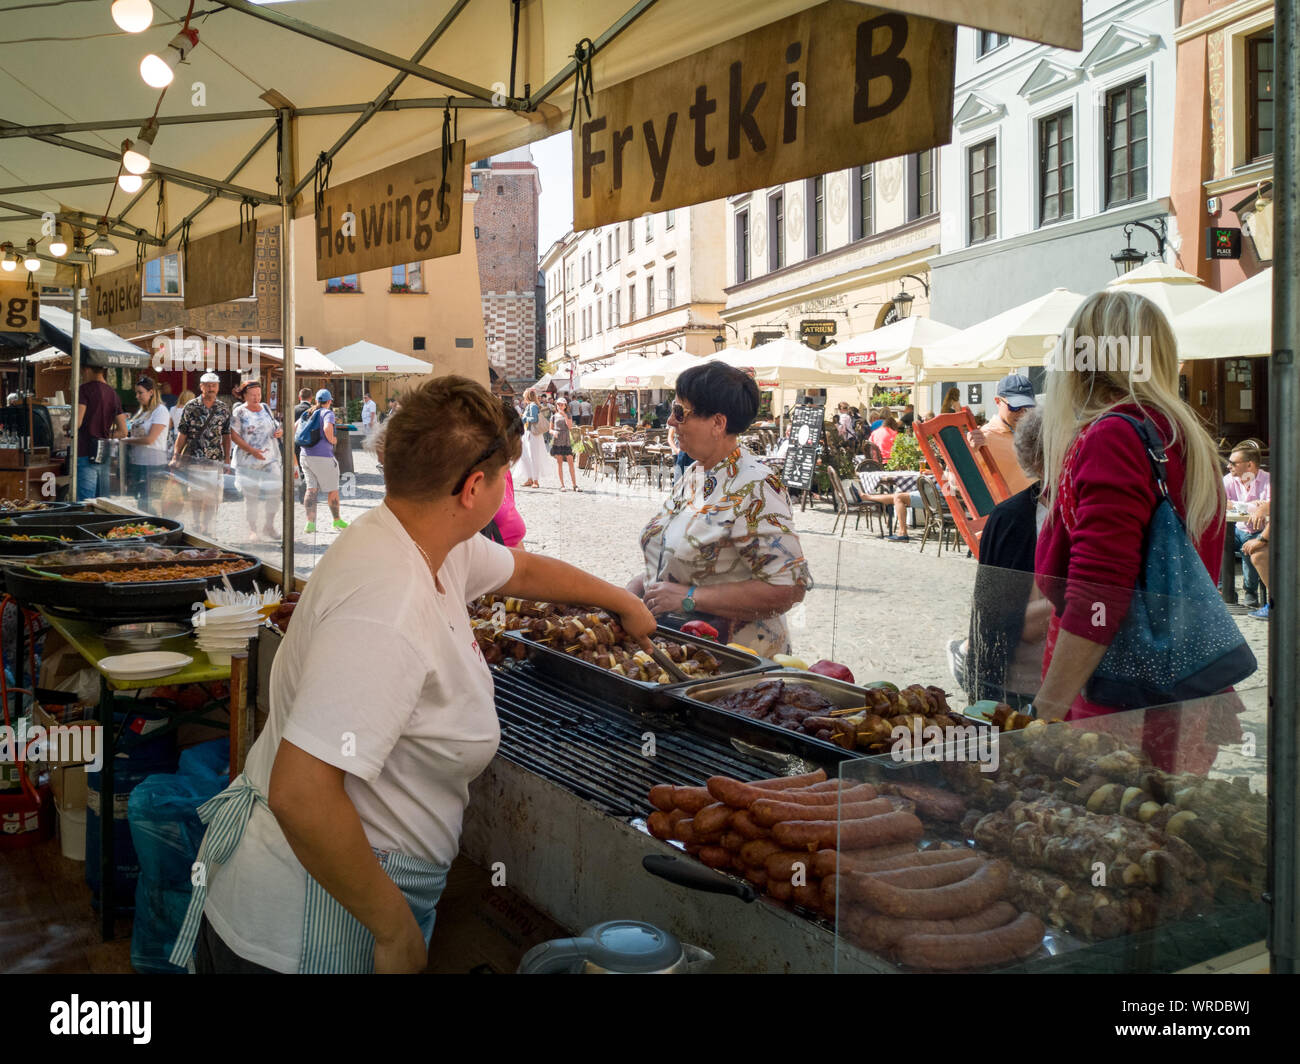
1055,22
115,296
220,267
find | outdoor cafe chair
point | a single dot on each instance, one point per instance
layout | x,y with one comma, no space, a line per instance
938,519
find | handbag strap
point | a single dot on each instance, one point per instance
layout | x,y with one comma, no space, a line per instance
1152,444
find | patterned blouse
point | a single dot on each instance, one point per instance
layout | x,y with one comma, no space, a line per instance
725,525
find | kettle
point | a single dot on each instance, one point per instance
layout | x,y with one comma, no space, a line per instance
616,947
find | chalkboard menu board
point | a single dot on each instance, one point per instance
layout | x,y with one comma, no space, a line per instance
806,424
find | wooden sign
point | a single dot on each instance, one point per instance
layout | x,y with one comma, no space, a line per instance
391,216
1055,22
220,267
20,307
835,86
115,296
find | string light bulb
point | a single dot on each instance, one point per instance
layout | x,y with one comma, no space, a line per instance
133,16
135,153
159,70
8,262
130,183
58,246
30,262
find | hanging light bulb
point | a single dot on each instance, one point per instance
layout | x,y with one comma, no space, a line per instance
135,153
58,246
158,71
133,16
30,262
8,262
130,183
101,245
78,253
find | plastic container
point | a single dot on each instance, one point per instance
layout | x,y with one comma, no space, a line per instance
72,833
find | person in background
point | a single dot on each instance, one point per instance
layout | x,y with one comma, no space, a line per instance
508,523
368,411
586,410
318,461
680,458
147,443
99,417
562,442
14,399
1248,487
203,441
1101,494
884,436
256,436
1256,550
392,408
1015,396
844,422
533,453
951,401
877,418
908,418
723,547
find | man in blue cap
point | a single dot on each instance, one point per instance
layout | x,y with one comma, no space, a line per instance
1015,395
317,459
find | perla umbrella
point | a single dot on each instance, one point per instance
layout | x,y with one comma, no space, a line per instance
1237,323
787,364
896,349
1168,287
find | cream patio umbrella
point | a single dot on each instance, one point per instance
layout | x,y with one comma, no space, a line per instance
1015,340
1237,323
897,348
1168,287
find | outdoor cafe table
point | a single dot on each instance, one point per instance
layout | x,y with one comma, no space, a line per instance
85,638
902,480
1228,570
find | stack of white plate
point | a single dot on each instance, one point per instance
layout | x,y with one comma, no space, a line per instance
226,630
144,666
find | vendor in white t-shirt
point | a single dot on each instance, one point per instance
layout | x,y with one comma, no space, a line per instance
368,412
147,439
381,714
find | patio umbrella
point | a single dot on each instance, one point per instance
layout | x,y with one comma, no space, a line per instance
789,364
1237,323
1168,287
371,360
1015,340
897,348
631,373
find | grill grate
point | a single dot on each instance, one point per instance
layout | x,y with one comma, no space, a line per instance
591,746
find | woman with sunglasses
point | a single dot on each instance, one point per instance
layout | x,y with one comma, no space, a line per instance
562,442
148,442
723,548
330,851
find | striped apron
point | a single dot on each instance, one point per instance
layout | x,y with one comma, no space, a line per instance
333,940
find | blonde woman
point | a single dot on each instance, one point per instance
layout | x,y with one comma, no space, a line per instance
1101,494
147,442
179,409
533,456
951,401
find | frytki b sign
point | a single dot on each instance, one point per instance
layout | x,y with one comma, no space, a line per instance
838,85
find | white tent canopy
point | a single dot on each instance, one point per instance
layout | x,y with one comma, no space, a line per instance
630,373
1235,324
898,346
1168,287
371,360
790,365
1015,340
306,359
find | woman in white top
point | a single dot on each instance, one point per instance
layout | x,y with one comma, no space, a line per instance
256,434
179,409
147,439
330,850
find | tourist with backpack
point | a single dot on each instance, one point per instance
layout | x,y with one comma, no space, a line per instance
315,437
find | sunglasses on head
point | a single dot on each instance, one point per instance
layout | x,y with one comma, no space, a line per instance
488,452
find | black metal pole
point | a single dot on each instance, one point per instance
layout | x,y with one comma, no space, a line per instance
1284,559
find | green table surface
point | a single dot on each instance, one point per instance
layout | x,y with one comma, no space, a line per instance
86,637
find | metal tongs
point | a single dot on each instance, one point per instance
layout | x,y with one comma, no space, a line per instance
664,661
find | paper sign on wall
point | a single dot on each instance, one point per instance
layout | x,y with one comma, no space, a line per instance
835,86
392,216
20,307
115,297
220,267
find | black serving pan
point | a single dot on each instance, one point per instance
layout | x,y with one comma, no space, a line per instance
47,508
55,538
567,666
171,530
61,517
122,602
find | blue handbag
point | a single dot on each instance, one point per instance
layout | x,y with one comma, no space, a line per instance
1178,641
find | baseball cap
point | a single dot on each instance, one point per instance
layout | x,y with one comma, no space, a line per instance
209,378
1017,390
323,396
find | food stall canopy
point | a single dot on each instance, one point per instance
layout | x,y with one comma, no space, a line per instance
1235,324
370,360
99,347
307,359
1168,287
1013,341
560,380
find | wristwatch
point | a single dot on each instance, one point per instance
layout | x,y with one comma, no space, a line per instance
688,603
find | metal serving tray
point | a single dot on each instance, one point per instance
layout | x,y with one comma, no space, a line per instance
568,666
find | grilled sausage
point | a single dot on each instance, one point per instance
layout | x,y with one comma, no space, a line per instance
744,824
924,876
780,889
979,949
883,859
977,891
661,797
715,857
858,834
715,817
756,853
659,825
739,795
784,783
875,931
732,840
767,813
809,896
757,876
782,865
692,799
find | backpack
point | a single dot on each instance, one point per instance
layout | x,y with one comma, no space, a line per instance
308,434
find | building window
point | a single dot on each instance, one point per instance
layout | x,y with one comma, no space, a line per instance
864,221
407,278
982,191
613,309
631,236
816,216
1126,144
476,232
162,277
417,343
598,257
1259,94
650,295
669,220
649,228
988,42
671,294
631,302
615,256
501,190
348,283
742,246
776,230
920,185
1056,167
600,326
